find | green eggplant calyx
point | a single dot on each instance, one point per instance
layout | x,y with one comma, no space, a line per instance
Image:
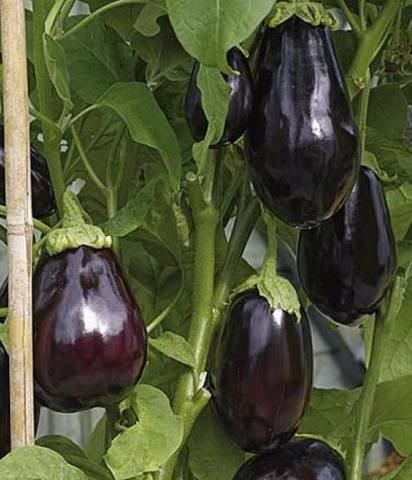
76,229
313,13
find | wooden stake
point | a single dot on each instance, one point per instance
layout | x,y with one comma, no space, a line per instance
19,220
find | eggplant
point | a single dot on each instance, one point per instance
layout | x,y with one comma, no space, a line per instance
347,264
262,373
5,440
307,459
90,339
240,104
302,143
43,200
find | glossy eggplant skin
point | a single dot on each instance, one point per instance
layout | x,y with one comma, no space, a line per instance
5,404
240,104
302,143
347,264
43,202
262,374
307,459
90,340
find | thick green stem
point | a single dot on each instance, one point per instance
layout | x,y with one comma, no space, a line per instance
50,105
189,400
364,406
369,47
362,117
362,14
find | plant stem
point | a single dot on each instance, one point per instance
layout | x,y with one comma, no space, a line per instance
362,15
369,47
249,212
362,117
90,18
111,186
50,105
189,400
351,18
112,417
83,113
363,408
85,160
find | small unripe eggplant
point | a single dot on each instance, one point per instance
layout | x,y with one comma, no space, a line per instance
43,200
90,340
240,104
347,264
301,143
307,459
261,377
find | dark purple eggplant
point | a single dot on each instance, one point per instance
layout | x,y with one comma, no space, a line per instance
90,340
262,373
43,201
307,459
301,143
5,440
240,105
347,264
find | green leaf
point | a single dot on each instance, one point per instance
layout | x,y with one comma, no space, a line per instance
398,351
147,21
207,29
147,124
97,58
211,455
392,413
163,55
388,102
175,347
58,71
146,446
330,417
215,101
400,207
96,443
74,455
37,463
130,217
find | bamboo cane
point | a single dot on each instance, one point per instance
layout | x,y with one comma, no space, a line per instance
19,220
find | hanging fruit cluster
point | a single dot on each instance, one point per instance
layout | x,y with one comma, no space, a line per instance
304,158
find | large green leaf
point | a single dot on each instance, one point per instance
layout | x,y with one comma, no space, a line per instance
147,124
207,29
37,463
96,58
74,455
211,455
146,446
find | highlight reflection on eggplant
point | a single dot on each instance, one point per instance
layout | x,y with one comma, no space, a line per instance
302,143
261,376
347,264
90,340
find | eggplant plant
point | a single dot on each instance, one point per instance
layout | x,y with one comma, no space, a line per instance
169,132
